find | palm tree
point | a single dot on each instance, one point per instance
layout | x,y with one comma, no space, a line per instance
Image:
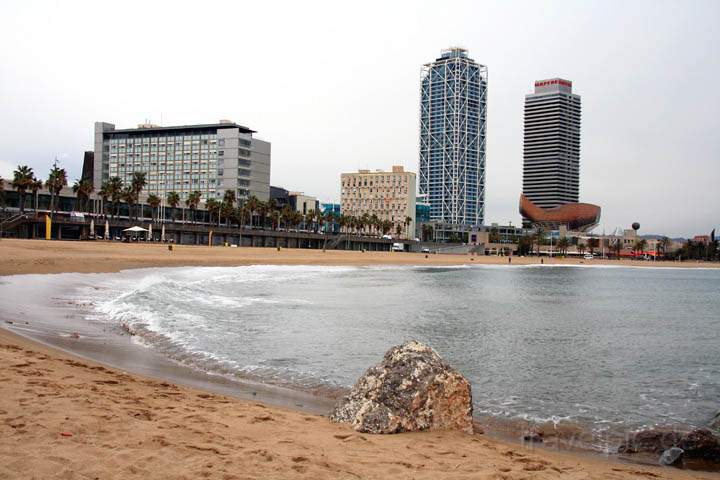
310,220
35,186
298,218
427,231
82,190
593,244
57,179
213,208
262,209
104,194
128,194
581,247
229,197
173,199
286,214
251,205
366,223
563,244
539,238
23,179
640,246
115,189
663,245
374,222
407,222
386,226
275,216
154,201
2,193
330,221
227,211
398,230
193,201
138,183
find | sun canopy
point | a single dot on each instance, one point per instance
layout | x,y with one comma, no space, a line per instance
135,229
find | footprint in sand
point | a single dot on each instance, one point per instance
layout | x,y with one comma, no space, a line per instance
262,418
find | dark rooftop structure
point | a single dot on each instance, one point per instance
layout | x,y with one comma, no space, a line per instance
154,129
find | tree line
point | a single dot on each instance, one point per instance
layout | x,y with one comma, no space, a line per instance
229,211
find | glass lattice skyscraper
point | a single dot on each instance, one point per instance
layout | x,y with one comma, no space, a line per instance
453,112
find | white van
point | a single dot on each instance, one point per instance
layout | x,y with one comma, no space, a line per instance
398,247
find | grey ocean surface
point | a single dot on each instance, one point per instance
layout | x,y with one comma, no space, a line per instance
613,349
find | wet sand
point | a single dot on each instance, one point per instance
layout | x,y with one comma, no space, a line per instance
63,416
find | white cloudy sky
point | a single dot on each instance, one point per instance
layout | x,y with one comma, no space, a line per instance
334,86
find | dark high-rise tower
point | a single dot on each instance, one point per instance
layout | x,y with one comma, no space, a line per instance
551,170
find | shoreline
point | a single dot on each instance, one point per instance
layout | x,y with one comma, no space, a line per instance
515,456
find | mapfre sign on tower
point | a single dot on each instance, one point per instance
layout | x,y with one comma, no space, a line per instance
556,81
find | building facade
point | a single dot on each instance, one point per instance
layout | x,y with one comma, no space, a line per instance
303,203
210,158
332,212
551,154
389,195
453,112
279,196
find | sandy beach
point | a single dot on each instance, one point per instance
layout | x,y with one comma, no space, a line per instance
67,417
39,256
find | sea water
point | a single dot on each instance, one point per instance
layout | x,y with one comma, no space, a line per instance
613,349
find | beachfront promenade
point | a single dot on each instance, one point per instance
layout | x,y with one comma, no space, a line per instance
67,227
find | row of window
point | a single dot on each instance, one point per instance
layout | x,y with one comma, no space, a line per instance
179,140
378,180
374,192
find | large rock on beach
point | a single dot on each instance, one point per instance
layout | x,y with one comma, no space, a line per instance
715,422
411,389
699,444
650,441
672,457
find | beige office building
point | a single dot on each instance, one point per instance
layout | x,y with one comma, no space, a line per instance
389,195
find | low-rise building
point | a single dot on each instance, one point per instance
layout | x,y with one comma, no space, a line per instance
279,196
331,210
303,203
390,195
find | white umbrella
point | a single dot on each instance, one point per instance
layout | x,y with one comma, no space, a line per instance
162,234
107,230
135,229
92,227
149,235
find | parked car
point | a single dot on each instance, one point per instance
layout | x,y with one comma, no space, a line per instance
425,250
588,256
398,247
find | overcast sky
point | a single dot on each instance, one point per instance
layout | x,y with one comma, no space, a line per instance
335,87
